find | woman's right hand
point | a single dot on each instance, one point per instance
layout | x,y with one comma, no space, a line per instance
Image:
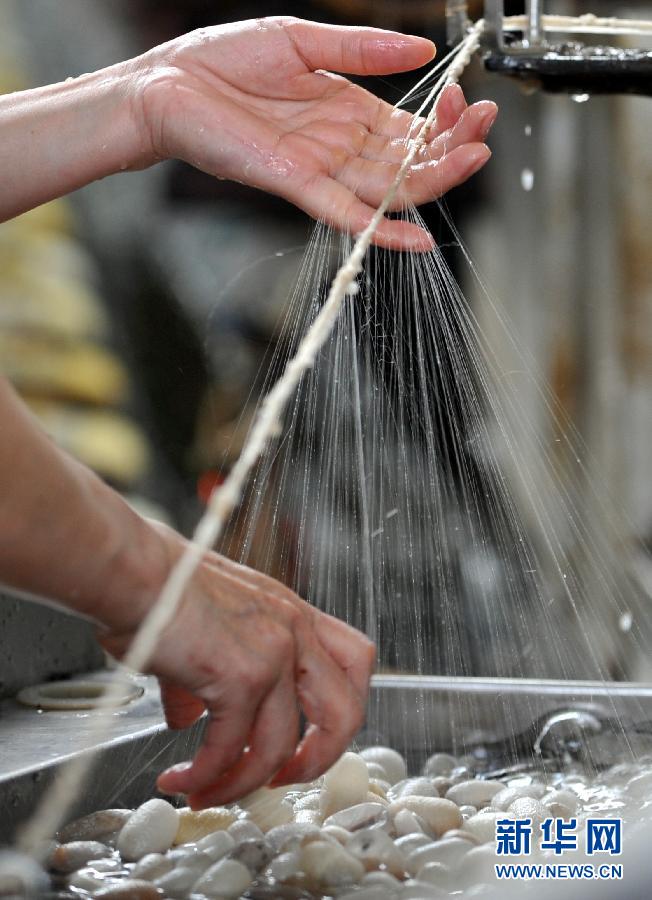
252,653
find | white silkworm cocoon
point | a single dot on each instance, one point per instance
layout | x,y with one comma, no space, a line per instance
152,828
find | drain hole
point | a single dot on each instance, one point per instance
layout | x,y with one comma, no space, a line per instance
74,694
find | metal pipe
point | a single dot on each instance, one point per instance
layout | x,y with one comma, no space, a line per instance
493,31
456,21
533,11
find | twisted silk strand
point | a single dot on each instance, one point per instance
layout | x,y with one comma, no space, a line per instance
268,425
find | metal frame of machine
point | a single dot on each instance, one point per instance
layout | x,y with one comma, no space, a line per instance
568,67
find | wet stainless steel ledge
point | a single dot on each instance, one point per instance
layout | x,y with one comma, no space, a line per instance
35,744
416,715
421,715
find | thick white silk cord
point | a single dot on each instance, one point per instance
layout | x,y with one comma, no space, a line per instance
267,426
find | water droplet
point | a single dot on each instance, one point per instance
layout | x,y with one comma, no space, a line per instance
580,98
527,179
625,622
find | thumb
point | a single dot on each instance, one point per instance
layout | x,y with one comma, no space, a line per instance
357,51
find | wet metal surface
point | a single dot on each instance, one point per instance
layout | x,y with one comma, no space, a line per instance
39,642
33,745
416,716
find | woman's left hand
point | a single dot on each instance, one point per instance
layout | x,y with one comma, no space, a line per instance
252,102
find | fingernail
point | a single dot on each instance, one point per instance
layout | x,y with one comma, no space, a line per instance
179,767
423,243
457,100
477,159
170,774
407,41
487,120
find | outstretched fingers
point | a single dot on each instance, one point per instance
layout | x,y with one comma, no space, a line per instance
327,199
430,180
272,743
425,181
335,713
472,126
252,739
449,107
227,734
390,123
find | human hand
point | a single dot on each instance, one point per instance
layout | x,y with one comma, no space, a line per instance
252,653
250,102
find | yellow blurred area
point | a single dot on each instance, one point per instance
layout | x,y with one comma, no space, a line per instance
106,441
54,331
71,370
45,279
53,344
55,327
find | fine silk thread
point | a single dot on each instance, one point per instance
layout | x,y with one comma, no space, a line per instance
267,426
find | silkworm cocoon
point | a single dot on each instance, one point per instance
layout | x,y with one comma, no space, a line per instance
362,815
216,845
474,793
440,764
447,852
374,848
389,760
345,784
68,857
151,867
284,866
194,825
439,815
245,830
307,817
150,829
284,838
508,795
268,808
95,826
562,803
483,825
528,808
129,890
226,879
407,822
421,787
329,865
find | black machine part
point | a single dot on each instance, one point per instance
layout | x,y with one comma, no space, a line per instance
574,68
569,67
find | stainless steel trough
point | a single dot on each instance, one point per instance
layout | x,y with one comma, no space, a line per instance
416,715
